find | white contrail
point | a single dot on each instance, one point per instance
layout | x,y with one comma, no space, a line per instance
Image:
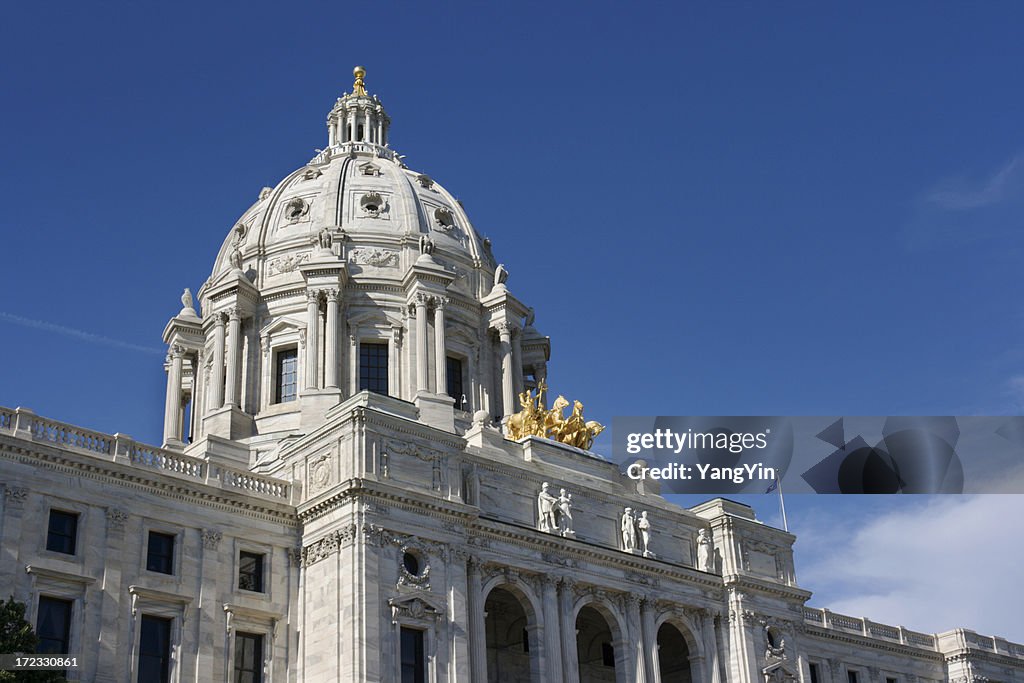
77,334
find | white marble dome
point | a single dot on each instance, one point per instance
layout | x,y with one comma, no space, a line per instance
353,274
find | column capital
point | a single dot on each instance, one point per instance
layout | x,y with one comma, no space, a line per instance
440,302
422,299
312,296
332,294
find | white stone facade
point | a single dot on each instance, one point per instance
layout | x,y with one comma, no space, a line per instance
379,520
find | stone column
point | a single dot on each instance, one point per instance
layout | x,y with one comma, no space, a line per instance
394,363
552,636
331,343
217,374
567,626
517,362
508,396
421,343
312,348
713,672
440,358
634,640
172,403
353,357
650,641
234,352
477,633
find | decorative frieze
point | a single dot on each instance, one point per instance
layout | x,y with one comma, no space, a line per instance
15,496
374,256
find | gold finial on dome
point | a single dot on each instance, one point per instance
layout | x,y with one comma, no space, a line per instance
358,88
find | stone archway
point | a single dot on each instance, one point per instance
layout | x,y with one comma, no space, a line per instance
598,651
512,657
673,655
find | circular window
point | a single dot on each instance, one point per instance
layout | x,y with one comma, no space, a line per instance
411,563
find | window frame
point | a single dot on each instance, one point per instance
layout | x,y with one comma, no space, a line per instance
264,562
382,350
463,365
69,626
175,539
262,659
165,605
75,533
276,374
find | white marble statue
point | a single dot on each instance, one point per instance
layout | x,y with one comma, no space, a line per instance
546,509
628,528
564,510
705,551
644,526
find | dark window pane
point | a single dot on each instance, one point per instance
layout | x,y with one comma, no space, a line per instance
250,572
373,368
160,553
248,658
851,676
63,530
453,370
414,669
286,376
53,625
815,676
154,650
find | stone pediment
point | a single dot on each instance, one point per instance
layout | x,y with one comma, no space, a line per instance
419,607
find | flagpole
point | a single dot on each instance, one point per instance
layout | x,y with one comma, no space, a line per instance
782,504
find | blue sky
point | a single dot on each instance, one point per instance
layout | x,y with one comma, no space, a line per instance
715,208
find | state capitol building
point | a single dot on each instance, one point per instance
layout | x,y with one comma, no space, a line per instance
356,484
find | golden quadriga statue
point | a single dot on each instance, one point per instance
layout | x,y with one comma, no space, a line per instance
533,419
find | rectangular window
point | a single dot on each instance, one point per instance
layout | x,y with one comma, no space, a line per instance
373,368
815,673
851,676
154,650
62,532
891,679
53,626
414,669
286,375
453,370
250,572
248,658
160,553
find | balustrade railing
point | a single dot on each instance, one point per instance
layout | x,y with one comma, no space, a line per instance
118,447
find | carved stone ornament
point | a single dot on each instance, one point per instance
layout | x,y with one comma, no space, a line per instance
265,192
15,496
444,220
211,538
295,557
374,256
369,169
239,232
287,264
705,551
296,209
116,519
373,204
320,473
425,181
311,173
415,608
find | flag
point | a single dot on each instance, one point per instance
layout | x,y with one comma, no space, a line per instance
775,485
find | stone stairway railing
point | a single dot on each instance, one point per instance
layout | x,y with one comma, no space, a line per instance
25,424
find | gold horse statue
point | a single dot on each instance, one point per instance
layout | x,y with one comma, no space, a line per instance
533,419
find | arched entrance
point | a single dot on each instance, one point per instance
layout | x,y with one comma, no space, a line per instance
511,657
596,647
673,655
